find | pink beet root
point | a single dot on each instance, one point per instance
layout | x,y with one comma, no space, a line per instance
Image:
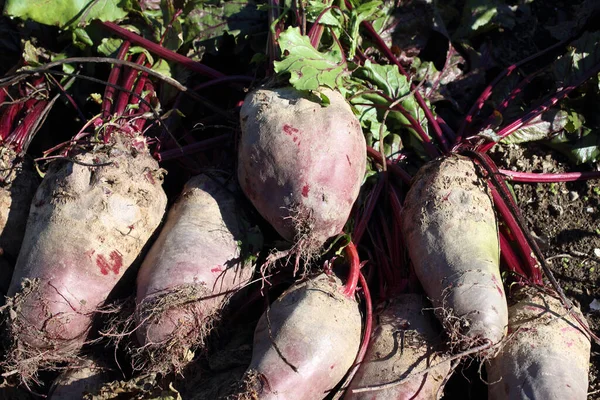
300,163
191,271
86,227
304,344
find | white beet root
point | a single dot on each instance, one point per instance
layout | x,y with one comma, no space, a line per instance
546,354
451,235
405,341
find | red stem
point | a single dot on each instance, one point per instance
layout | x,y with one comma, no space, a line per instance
354,273
534,177
3,95
273,49
533,267
161,51
136,93
7,120
113,78
384,269
364,219
397,221
512,95
366,338
393,168
22,133
449,132
508,256
368,320
488,90
387,236
144,107
128,84
316,30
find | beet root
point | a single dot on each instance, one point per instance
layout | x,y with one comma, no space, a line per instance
86,227
404,342
301,164
304,344
546,354
451,235
191,271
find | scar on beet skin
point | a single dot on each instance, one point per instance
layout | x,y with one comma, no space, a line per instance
114,263
290,130
305,190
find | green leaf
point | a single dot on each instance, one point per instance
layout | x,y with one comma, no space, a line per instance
67,68
162,67
579,148
385,77
171,32
109,46
66,14
81,38
331,17
575,122
366,91
364,12
308,68
324,100
384,22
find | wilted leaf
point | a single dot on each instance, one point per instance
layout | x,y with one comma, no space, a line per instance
542,127
309,68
